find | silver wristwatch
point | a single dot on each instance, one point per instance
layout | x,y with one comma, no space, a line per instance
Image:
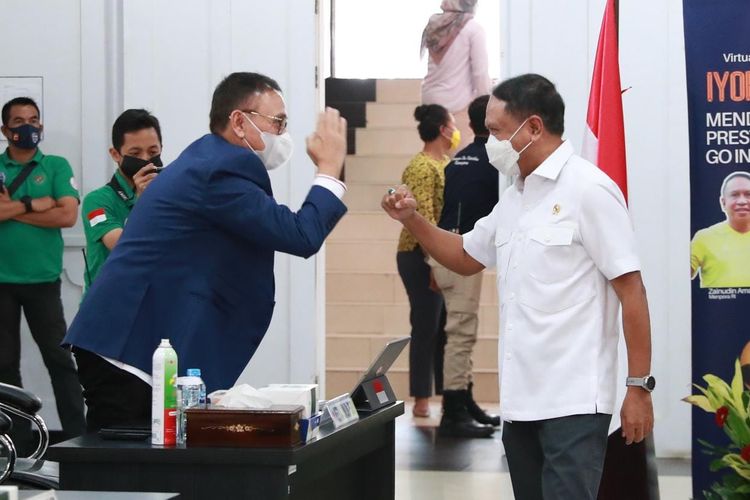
647,383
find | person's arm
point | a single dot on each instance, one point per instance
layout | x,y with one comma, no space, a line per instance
444,246
696,256
236,203
111,238
64,214
637,413
9,208
479,63
608,237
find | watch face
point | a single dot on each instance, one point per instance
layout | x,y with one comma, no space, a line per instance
650,383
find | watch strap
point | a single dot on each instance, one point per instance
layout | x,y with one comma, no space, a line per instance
27,203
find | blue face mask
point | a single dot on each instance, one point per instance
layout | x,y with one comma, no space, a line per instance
25,136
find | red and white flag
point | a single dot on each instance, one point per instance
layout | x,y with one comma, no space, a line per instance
96,216
604,137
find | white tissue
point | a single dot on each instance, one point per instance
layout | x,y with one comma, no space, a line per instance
240,396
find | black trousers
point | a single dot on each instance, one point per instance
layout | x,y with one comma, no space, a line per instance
427,317
42,307
557,459
114,397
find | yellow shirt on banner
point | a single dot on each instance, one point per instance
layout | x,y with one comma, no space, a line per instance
722,255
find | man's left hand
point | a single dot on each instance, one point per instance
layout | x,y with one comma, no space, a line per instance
143,178
637,415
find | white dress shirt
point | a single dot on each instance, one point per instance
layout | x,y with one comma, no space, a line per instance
557,239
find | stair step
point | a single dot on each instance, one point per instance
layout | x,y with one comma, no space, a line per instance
355,352
388,141
365,226
399,91
379,114
391,319
365,197
350,89
376,169
372,255
486,388
383,287
355,112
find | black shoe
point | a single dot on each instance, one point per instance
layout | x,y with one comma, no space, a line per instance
479,414
456,421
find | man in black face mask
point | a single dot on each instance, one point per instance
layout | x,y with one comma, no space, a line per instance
38,197
136,149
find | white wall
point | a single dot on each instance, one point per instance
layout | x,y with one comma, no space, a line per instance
558,40
173,58
99,58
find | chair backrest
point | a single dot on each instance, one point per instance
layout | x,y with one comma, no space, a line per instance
22,403
6,424
629,470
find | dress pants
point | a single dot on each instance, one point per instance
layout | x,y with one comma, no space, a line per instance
426,317
461,295
557,459
42,307
114,397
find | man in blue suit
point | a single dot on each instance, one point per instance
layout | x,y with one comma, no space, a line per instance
195,262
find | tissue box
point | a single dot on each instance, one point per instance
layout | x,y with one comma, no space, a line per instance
311,388
274,427
292,394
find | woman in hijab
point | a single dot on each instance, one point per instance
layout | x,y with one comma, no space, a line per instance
457,66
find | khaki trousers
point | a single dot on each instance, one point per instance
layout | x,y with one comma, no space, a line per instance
461,295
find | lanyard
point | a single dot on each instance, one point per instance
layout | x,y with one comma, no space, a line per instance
117,188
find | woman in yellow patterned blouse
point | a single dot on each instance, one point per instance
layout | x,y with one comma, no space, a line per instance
425,178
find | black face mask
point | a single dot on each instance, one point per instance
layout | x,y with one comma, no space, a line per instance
130,165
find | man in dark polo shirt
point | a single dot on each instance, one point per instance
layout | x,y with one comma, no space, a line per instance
38,197
136,148
471,191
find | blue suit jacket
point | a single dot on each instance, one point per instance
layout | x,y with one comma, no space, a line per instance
195,264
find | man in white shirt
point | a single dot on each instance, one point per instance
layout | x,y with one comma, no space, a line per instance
564,247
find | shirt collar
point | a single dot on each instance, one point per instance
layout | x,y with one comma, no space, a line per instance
8,161
551,167
124,184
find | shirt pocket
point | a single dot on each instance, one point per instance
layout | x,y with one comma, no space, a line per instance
553,259
550,253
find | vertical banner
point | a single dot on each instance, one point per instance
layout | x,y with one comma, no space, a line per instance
717,52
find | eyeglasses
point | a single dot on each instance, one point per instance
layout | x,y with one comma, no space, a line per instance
279,122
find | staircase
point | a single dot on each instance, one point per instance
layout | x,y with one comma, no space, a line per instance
366,304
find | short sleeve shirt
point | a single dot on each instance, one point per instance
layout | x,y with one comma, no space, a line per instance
722,257
557,238
425,178
33,254
104,210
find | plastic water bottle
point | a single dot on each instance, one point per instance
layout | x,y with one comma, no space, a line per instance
191,393
164,395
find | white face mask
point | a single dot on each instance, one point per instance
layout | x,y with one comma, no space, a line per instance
502,156
278,148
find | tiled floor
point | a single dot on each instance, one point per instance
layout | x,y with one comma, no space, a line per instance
429,467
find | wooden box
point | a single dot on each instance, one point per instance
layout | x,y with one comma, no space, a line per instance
275,427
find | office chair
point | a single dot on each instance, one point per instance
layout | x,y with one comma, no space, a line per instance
6,424
30,471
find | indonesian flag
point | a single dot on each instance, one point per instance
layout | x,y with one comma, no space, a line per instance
96,216
604,137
